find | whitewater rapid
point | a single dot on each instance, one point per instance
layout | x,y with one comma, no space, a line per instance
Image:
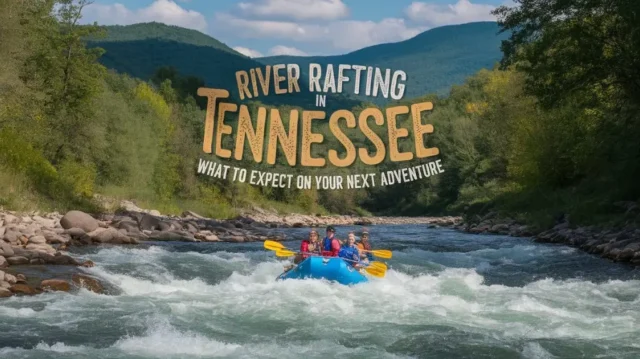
458,298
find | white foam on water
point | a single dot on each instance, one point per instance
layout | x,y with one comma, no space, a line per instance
17,312
535,351
165,284
162,340
119,255
60,348
45,350
250,300
155,254
541,309
222,256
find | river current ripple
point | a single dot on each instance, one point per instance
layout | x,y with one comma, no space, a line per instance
446,295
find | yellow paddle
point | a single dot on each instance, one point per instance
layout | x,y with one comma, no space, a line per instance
381,253
379,265
284,253
273,245
376,272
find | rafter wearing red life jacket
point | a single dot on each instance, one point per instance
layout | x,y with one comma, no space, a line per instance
330,244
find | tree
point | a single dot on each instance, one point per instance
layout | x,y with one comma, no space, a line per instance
582,62
185,86
569,45
65,71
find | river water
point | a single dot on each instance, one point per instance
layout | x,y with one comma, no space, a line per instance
445,295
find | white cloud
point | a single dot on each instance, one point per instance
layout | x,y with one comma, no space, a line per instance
296,9
357,34
164,11
340,35
248,52
463,11
286,50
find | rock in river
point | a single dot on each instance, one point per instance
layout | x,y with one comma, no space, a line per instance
172,236
87,282
55,285
23,289
77,219
17,260
5,293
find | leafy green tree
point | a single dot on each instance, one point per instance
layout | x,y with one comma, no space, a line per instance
569,45
581,61
185,87
65,71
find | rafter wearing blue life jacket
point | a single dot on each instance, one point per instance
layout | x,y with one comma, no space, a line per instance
350,252
330,244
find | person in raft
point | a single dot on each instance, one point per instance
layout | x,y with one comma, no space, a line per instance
308,247
363,246
330,244
350,252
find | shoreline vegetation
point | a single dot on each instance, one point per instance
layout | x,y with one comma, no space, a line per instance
543,146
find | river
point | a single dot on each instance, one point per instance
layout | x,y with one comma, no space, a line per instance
446,295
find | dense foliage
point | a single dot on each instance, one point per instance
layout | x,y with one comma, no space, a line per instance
69,128
555,130
552,131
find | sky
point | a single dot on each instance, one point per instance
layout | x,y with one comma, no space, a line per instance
259,28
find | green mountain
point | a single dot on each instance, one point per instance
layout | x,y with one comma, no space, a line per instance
141,49
433,60
156,30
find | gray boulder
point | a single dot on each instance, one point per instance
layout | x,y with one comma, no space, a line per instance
17,260
150,223
77,219
7,251
37,240
76,232
172,236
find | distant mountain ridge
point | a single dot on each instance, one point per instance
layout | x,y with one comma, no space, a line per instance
160,31
433,60
140,49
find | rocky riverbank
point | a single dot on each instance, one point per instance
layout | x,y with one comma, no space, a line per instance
40,240
300,220
617,244
35,239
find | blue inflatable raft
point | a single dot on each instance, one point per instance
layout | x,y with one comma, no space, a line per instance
333,269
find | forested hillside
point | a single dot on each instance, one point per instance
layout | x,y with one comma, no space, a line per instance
159,31
70,129
553,131
140,50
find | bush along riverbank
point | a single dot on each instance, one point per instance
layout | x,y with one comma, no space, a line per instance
619,243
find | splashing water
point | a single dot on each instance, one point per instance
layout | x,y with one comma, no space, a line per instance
446,295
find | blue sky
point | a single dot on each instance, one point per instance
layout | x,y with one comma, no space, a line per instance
296,27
